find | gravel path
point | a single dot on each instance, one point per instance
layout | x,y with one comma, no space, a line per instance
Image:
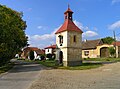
106,77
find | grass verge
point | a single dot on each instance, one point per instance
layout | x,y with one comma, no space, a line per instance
84,66
103,59
6,67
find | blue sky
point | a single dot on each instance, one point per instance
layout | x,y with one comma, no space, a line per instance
97,18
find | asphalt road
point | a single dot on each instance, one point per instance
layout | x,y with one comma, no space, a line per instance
21,76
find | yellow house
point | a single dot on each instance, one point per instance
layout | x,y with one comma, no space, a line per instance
95,49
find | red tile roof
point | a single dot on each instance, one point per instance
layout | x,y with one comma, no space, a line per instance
68,26
52,46
37,50
116,43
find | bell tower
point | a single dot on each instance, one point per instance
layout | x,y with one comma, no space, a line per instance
69,41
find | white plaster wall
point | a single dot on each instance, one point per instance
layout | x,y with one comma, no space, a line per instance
48,52
64,34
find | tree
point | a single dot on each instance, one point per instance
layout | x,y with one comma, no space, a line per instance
108,40
112,51
12,33
31,55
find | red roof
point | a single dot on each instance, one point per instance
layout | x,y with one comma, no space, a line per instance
68,26
52,46
116,43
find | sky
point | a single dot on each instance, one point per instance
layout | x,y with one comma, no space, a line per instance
96,18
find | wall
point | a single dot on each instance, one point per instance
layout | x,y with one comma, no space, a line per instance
48,52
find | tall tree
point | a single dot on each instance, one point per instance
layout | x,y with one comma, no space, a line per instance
12,32
108,40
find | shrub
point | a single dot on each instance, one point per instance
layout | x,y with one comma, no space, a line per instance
31,55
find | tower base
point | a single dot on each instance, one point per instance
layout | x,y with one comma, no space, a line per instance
72,63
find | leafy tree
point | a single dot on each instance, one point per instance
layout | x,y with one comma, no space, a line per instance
31,55
112,51
12,33
108,40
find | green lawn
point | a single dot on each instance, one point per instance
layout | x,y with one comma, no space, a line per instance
103,59
6,67
84,66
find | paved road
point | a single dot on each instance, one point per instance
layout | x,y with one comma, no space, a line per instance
21,76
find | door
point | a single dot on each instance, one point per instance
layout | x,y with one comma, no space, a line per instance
104,52
61,57
118,52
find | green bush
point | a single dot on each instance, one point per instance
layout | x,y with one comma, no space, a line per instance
31,55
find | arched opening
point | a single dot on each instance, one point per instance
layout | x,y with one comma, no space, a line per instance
61,57
104,52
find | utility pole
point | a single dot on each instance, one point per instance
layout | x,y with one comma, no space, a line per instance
115,42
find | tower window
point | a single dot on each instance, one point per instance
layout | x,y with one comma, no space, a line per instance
74,38
60,40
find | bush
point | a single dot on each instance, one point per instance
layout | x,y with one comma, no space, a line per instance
31,55
49,55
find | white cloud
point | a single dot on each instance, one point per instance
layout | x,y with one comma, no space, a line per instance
40,27
115,1
115,25
118,38
80,25
89,34
44,40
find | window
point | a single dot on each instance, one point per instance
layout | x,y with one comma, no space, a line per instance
48,50
86,53
60,40
74,38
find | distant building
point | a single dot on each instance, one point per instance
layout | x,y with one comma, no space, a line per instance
50,49
95,49
26,51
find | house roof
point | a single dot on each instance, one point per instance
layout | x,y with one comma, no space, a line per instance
31,48
52,46
116,43
68,25
91,44
37,50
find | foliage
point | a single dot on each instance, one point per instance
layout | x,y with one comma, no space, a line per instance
49,55
6,67
12,32
31,55
112,51
108,40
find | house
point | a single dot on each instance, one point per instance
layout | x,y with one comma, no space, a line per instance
26,51
69,42
117,47
95,49
50,49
